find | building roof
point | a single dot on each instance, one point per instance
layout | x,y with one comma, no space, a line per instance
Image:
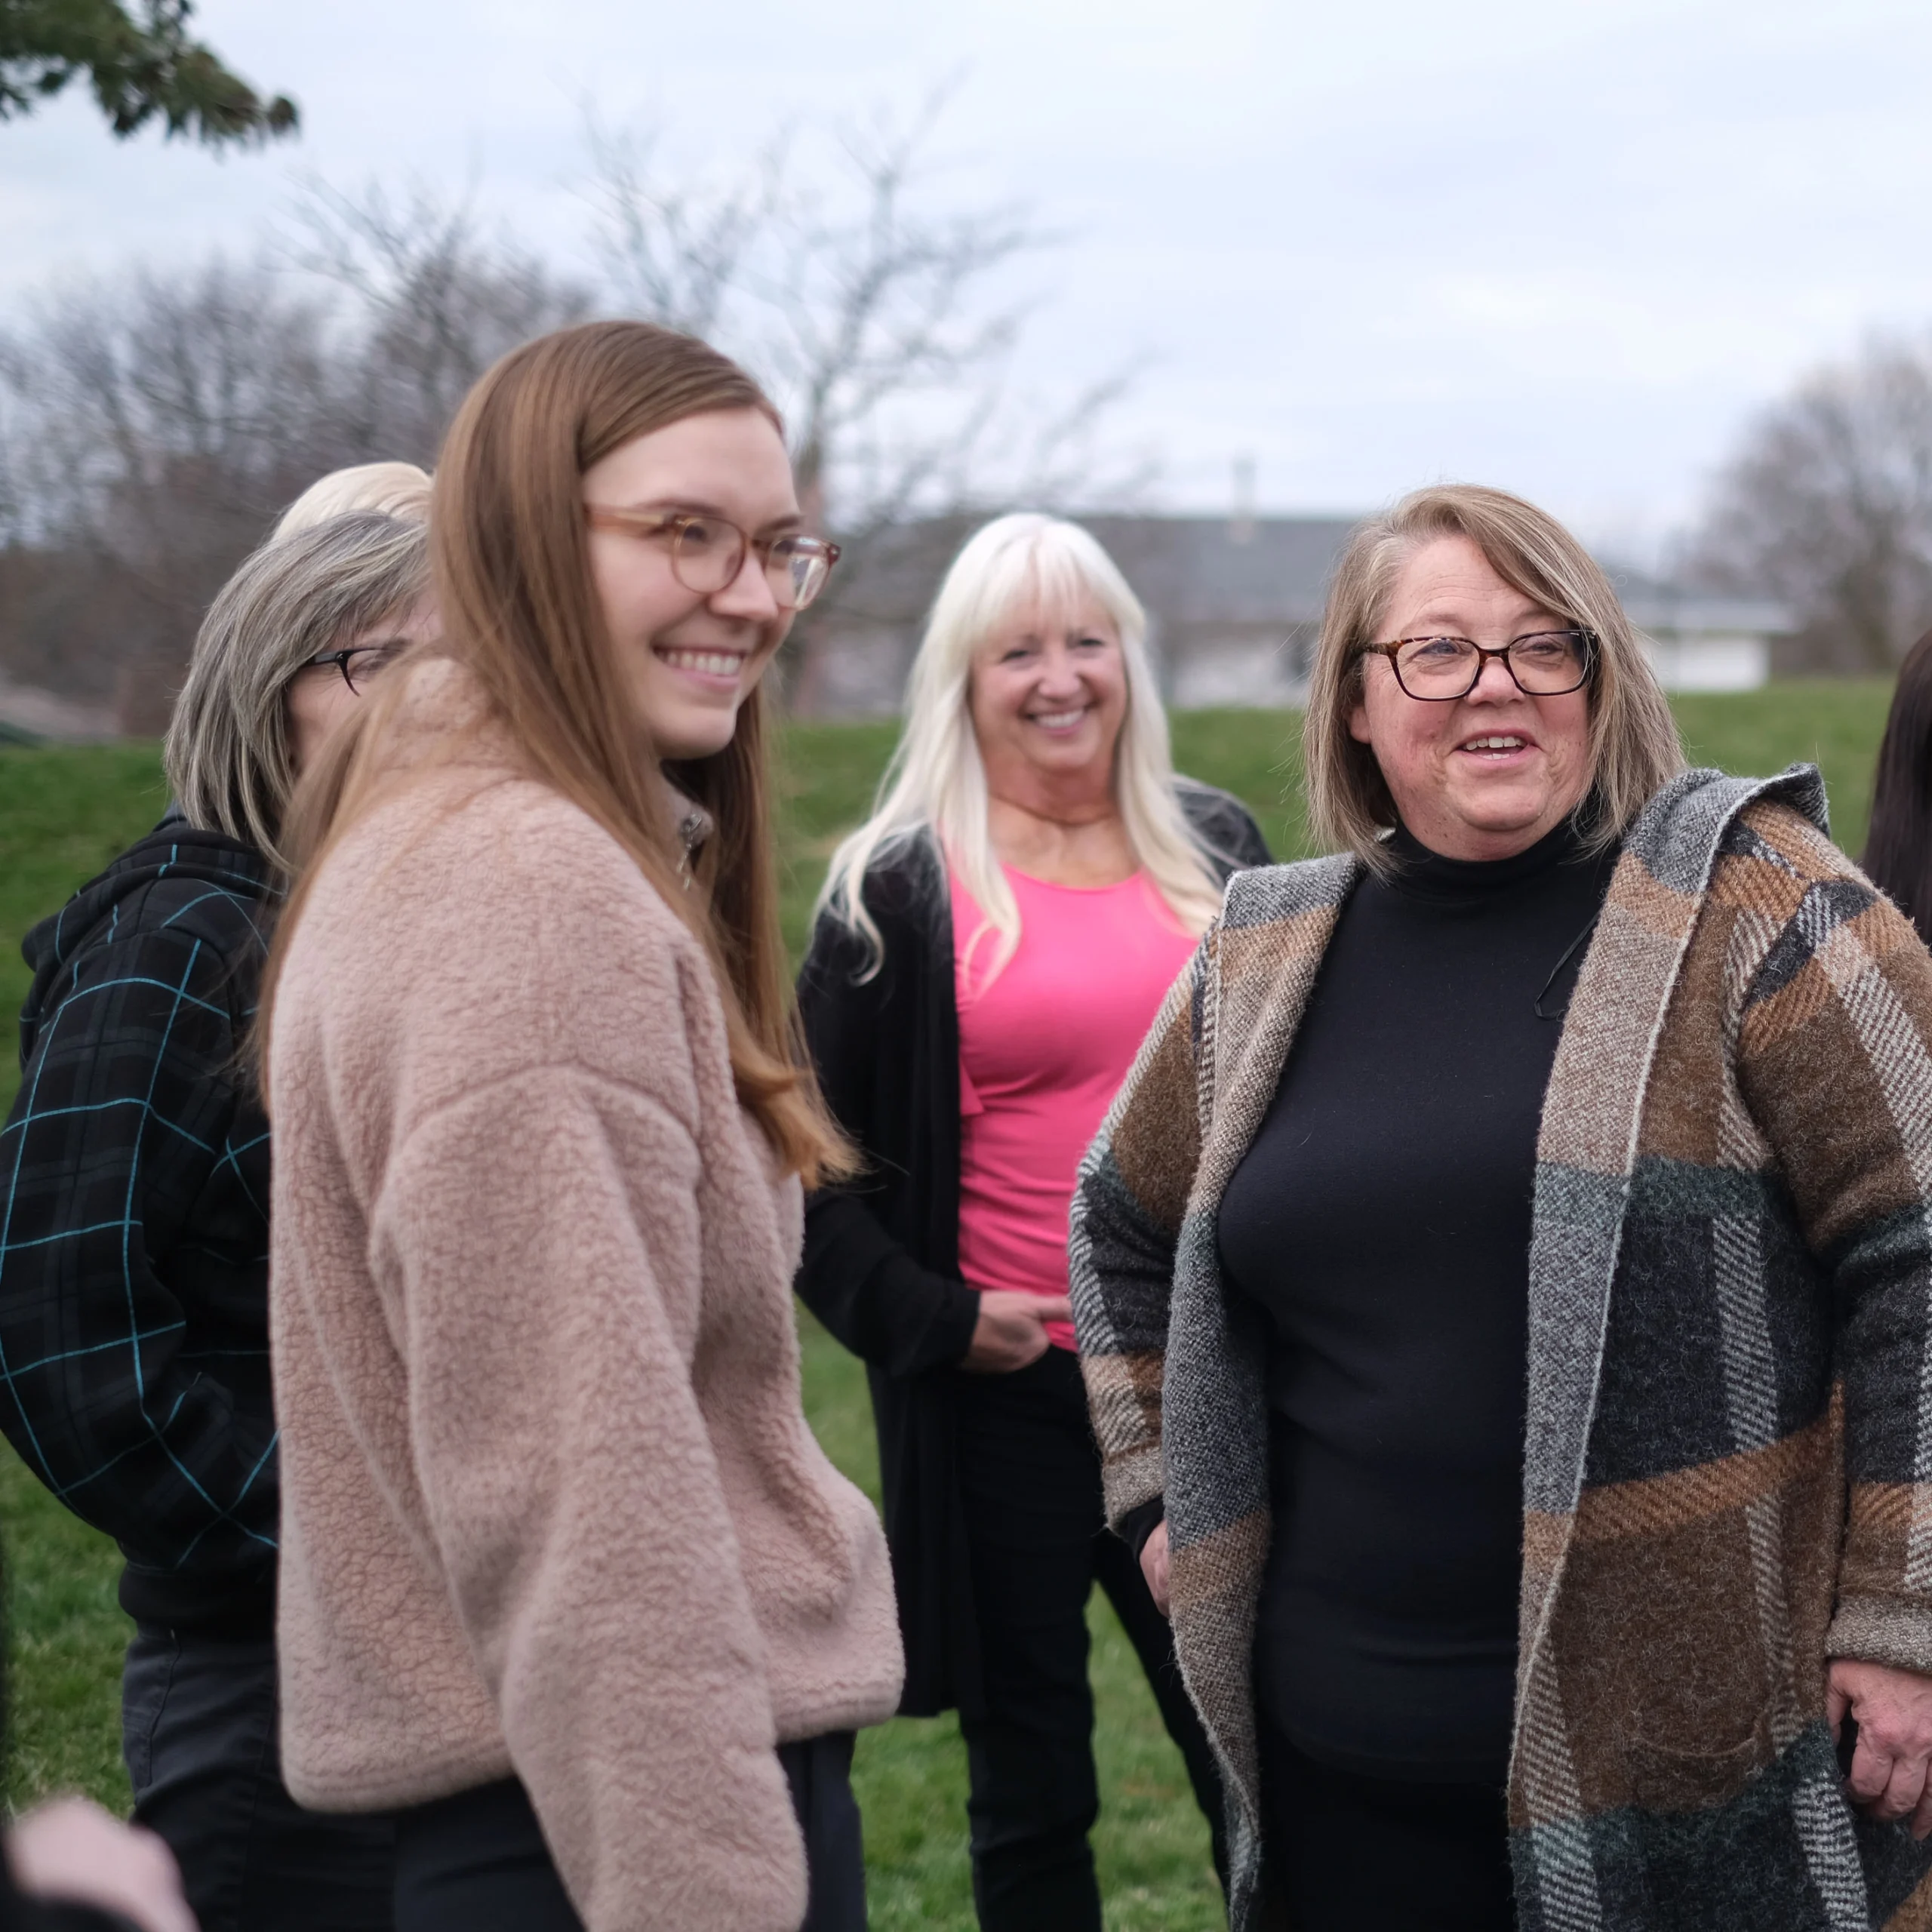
1217,570
1655,606
1196,572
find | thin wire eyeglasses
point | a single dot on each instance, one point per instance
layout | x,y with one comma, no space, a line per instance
1438,670
707,552
374,658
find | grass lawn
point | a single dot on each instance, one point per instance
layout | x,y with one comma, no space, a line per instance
63,812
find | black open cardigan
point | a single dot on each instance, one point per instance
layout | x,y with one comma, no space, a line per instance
881,1256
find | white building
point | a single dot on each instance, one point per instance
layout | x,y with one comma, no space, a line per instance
1699,643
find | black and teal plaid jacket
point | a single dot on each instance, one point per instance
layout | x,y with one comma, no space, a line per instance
133,1227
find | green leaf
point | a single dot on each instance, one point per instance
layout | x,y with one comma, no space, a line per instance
141,68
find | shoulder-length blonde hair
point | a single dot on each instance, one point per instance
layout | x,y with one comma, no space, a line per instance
1634,745
936,784
521,612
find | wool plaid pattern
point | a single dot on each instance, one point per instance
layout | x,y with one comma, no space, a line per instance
133,1224
1728,1472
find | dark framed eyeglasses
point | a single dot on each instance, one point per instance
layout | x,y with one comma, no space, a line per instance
361,664
1438,669
707,552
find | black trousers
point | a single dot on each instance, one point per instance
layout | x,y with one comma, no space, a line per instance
1030,1477
199,1730
1350,1853
477,1862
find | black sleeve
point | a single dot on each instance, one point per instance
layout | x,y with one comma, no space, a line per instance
1141,1523
20,1913
1225,826
1244,841
125,1111
874,1297
856,1277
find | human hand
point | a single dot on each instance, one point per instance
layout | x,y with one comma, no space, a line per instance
72,1849
1154,1566
1893,1709
1011,1331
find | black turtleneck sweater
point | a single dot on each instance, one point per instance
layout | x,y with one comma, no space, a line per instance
1381,1218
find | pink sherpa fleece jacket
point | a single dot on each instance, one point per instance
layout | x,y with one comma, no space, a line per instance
550,1503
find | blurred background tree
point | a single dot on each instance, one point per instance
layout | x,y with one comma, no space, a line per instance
1827,504
142,67
883,319
160,420
153,424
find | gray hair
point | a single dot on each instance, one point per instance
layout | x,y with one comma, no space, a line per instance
227,752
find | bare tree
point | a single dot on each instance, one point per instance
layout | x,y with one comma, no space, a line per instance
679,252
1828,504
154,426
159,421
884,323
436,300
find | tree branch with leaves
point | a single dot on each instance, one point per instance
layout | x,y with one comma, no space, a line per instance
142,67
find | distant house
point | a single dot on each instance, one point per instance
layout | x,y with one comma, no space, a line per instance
28,716
1702,642
1234,603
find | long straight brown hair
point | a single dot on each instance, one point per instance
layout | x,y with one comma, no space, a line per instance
520,612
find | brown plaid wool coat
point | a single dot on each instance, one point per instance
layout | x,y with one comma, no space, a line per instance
1728,1471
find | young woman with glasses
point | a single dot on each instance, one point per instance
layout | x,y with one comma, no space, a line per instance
1508,1274
991,947
566,1576
134,1176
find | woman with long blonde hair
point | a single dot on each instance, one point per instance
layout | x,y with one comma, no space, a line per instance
565,1577
991,946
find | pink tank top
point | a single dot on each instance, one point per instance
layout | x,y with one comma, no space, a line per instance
1043,1049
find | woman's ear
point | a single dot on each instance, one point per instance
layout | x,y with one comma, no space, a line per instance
1359,710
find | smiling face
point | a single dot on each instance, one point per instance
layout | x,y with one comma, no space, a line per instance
1486,776
1048,697
690,659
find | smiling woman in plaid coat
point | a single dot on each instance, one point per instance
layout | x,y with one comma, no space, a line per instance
1723,1281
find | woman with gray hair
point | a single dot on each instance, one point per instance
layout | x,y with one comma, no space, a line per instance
1507,1273
133,1196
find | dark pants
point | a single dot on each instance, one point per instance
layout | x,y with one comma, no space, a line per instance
198,1721
1350,1853
477,1862
1030,1477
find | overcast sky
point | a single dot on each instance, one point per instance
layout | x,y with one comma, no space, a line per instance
1565,246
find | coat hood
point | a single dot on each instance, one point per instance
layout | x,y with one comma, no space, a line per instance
175,856
1679,830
